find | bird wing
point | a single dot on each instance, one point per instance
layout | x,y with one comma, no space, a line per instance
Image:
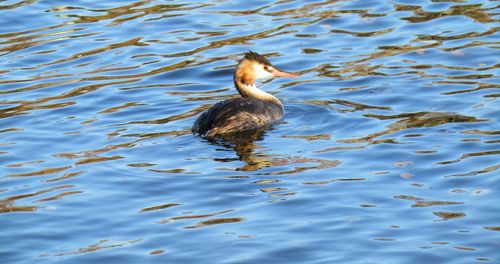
237,114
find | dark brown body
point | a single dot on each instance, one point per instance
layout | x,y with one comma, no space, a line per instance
235,116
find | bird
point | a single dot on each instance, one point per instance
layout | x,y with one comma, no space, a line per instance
254,110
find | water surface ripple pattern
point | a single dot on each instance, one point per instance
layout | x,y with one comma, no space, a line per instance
388,151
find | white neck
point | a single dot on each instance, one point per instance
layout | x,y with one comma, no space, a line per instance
250,90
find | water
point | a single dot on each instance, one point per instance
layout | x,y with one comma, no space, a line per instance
388,152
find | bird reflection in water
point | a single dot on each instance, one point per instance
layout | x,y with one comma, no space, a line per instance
244,145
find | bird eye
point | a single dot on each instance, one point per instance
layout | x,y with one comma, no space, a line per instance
267,68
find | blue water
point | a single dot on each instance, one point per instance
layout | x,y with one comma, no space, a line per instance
388,151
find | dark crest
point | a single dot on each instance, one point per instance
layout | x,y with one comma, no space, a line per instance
250,55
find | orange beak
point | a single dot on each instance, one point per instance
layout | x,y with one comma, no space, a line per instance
279,73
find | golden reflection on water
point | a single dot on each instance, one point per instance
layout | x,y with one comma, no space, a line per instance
6,204
449,215
101,245
474,12
40,172
217,221
420,202
96,57
158,207
476,172
211,221
412,120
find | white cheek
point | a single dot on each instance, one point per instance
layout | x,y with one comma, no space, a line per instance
260,73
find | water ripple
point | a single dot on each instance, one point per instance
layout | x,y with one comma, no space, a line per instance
389,141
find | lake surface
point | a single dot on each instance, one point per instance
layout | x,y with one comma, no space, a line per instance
388,151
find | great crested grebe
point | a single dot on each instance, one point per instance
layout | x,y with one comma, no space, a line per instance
254,110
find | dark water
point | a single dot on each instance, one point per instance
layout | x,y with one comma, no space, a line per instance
388,152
